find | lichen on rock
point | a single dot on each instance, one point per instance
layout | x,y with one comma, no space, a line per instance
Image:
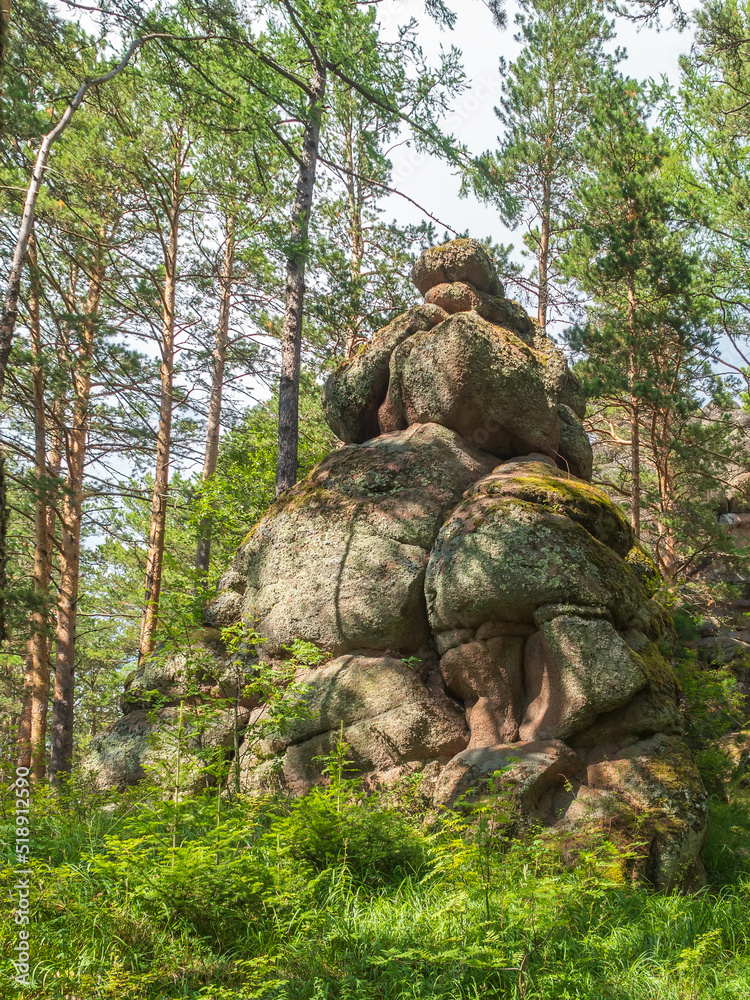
488,617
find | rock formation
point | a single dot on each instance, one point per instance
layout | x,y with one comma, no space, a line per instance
484,607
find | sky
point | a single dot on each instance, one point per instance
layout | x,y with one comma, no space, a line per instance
430,182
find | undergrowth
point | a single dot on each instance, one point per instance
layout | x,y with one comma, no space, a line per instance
345,895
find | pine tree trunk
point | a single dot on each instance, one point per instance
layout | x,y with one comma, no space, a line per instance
291,330
158,526
61,753
356,240
32,732
5,9
543,261
203,553
666,545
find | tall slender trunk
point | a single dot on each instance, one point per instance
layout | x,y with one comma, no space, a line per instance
13,287
661,437
203,553
635,429
356,239
5,9
76,439
158,527
32,730
543,261
291,329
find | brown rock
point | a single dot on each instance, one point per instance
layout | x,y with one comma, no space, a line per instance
527,769
574,452
658,780
480,380
339,559
390,718
576,668
459,260
354,393
488,677
463,297
498,558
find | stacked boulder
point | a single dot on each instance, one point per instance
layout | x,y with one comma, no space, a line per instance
484,607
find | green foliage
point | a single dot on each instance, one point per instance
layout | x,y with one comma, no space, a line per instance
548,93
713,705
340,825
244,484
301,899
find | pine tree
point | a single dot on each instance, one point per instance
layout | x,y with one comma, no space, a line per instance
549,93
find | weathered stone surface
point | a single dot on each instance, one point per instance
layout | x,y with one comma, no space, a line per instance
654,709
576,668
658,779
488,677
390,718
718,650
339,559
462,297
352,688
354,392
541,483
517,585
480,380
561,383
459,260
574,453
167,679
501,558
455,637
644,715
146,744
224,609
528,770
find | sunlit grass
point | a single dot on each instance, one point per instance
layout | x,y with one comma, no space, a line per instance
346,898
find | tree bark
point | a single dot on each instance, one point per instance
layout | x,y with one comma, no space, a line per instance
32,731
76,439
291,330
543,261
203,553
158,526
356,239
5,9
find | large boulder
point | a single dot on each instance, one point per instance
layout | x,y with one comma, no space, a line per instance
355,392
339,559
500,558
459,296
390,718
480,380
538,482
457,524
174,747
524,771
658,780
576,667
459,260
574,452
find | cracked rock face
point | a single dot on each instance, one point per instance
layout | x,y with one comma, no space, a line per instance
485,608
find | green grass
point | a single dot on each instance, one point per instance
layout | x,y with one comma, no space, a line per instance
346,896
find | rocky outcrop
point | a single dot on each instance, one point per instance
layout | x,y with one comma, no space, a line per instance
483,608
341,559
